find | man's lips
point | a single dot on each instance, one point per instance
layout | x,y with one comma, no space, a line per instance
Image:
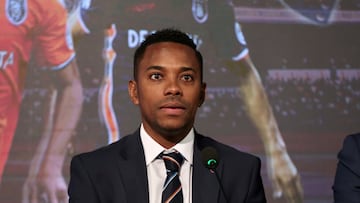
173,108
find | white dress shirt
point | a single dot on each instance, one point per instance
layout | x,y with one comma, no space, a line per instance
156,170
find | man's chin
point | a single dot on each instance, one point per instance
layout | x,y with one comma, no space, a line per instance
175,128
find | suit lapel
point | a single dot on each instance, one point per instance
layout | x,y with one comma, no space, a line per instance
205,185
132,168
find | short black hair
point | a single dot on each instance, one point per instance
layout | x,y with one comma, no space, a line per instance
166,35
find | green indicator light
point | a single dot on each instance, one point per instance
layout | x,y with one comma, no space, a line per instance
211,162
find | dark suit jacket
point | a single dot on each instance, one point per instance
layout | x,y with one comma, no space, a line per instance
347,179
117,173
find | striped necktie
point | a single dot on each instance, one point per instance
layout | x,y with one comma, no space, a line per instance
172,192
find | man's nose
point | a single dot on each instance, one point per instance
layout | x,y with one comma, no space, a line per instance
173,87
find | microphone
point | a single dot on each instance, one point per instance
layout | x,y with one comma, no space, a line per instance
210,159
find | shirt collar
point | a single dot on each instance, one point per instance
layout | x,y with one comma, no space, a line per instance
152,149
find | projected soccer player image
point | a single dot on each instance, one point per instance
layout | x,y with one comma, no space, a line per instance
235,90
38,31
45,181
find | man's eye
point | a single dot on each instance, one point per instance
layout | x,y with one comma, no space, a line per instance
155,76
187,78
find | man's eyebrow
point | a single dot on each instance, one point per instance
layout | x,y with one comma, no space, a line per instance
183,69
154,68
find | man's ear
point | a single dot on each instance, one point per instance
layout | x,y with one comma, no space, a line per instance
133,93
202,94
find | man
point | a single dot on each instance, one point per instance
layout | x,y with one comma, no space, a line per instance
168,87
347,178
28,26
212,26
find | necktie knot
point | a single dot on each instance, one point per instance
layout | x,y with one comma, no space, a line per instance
173,161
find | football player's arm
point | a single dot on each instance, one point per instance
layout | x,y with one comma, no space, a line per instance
282,171
45,180
66,115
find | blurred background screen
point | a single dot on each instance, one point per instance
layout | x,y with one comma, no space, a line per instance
304,51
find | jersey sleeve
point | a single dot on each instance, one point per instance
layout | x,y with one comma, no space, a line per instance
226,31
54,45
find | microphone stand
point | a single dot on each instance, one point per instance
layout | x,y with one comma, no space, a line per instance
220,184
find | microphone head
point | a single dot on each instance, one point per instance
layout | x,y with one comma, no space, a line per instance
210,157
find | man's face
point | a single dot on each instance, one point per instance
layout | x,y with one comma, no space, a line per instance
168,90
